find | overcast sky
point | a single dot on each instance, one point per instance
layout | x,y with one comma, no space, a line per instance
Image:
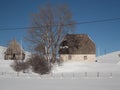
106,35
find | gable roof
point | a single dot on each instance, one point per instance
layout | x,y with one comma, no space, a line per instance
77,44
13,47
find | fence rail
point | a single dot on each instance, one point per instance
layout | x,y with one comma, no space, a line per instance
63,75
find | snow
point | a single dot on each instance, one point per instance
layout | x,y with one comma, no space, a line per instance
106,63
109,58
101,75
74,66
2,50
110,62
59,84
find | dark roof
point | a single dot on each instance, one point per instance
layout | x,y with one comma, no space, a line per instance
77,44
14,47
14,51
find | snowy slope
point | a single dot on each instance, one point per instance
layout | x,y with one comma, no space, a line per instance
109,58
77,67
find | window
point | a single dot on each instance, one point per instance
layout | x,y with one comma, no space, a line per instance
85,57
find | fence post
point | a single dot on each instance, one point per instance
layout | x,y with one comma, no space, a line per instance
62,75
2,73
86,74
17,74
73,75
79,75
98,74
111,75
51,74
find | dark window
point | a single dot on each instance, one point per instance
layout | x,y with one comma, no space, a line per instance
14,56
85,57
65,43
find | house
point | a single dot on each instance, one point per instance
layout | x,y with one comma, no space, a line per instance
77,47
14,51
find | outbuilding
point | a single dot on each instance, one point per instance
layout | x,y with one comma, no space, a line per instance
14,51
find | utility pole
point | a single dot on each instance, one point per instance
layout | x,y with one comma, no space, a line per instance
21,49
98,51
105,51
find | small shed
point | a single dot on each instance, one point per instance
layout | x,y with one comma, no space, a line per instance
78,47
14,51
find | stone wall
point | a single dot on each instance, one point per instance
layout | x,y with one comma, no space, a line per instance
78,57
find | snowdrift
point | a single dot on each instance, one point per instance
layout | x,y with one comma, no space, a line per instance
77,67
109,58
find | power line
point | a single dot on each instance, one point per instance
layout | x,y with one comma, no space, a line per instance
77,23
97,21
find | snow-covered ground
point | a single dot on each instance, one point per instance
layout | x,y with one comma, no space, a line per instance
59,84
106,63
71,66
101,75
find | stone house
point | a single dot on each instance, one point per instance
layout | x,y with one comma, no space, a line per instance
78,47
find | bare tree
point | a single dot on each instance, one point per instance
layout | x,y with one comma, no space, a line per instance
49,27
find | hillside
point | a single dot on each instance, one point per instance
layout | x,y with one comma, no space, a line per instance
109,58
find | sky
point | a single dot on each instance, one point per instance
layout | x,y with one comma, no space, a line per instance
106,35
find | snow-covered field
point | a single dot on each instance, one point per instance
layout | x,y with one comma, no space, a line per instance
59,84
74,66
101,75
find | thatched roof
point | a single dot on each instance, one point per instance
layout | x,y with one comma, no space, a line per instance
13,48
77,44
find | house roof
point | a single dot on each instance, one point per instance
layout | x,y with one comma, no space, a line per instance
13,47
77,44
